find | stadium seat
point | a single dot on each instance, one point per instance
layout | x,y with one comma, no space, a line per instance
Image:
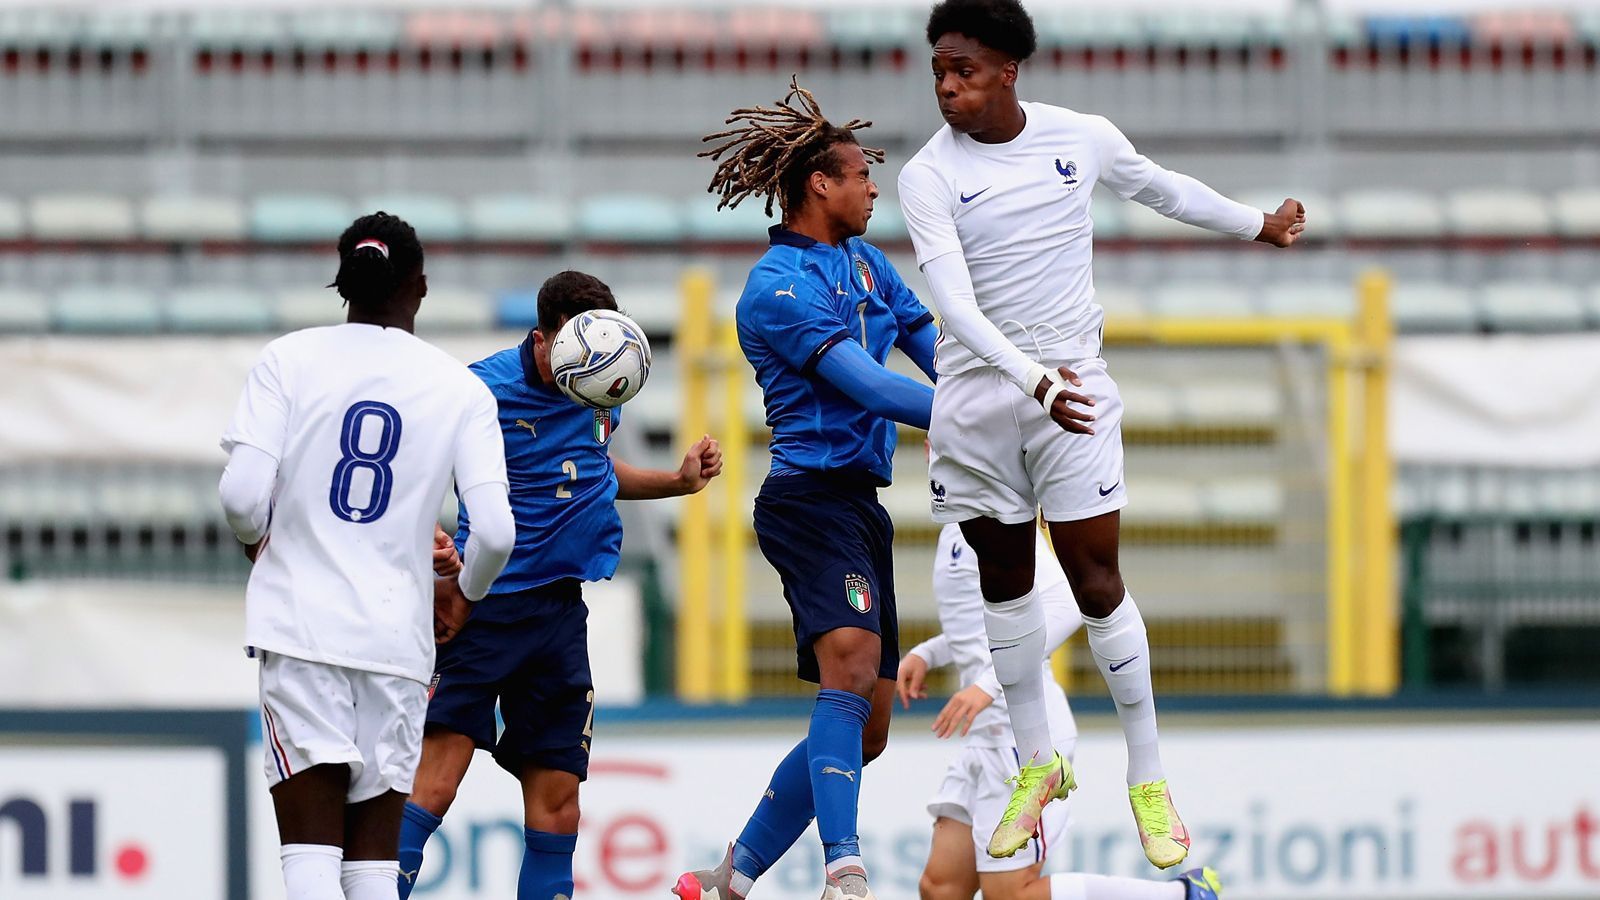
11,220
875,26
107,309
1591,304
307,308
244,28
23,311
1247,500
1577,213
1390,213
888,224
287,217
1209,402
1433,306
435,217
629,219
449,309
346,28
1163,500
1201,300
1497,212
1120,302
1532,306
1149,405
218,308
81,217
746,223
192,218
517,309
656,307
519,217
1313,299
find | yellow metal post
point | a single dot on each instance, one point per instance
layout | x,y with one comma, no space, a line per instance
694,526
735,438
1342,676
1378,627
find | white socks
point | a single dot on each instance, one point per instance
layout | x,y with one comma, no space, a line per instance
1076,886
1122,651
371,879
311,872
1016,643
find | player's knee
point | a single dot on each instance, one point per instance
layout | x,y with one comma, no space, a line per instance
933,887
554,809
433,795
1099,590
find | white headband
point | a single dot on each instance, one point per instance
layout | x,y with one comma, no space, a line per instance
374,242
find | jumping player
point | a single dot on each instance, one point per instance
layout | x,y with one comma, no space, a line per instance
973,794
997,203
340,451
526,645
817,319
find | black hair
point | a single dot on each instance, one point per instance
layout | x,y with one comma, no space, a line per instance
776,149
1000,25
369,274
565,294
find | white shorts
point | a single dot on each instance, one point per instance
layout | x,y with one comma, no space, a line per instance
975,792
994,453
314,713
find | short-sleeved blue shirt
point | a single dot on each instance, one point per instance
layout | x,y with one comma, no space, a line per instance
803,297
563,485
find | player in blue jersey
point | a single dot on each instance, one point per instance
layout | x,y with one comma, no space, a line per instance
817,319
525,645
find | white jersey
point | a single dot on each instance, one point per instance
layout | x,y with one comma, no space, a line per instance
955,588
367,425
1019,214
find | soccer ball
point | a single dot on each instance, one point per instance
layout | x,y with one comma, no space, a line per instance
600,358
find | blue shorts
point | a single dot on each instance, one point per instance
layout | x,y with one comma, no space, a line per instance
830,542
535,664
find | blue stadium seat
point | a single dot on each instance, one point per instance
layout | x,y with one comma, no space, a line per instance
1532,306
746,223
23,311
81,217
519,217
213,308
517,309
1433,306
106,309
294,217
1391,213
178,217
629,219
888,223
1497,212
435,217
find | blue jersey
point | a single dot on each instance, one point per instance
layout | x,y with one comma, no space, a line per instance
563,486
800,299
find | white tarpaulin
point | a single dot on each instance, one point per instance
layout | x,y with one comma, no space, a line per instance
1284,813
1506,400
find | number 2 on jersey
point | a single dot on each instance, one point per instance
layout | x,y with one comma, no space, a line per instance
354,459
569,469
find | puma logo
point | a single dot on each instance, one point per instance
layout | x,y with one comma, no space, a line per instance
789,293
532,427
411,876
830,770
839,290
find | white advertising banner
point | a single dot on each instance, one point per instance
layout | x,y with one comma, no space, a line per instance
1371,811
112,823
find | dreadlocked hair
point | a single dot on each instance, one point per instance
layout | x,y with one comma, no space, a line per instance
376,253
776,149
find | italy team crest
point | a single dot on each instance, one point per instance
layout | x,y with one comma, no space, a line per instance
602,426
858,592
864,274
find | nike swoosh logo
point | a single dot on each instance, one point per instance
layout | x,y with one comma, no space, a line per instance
830,770
1006,647
1106,492
1117,667
967,199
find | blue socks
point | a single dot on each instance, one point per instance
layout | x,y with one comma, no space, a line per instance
416,826
833,748
780,818
546,866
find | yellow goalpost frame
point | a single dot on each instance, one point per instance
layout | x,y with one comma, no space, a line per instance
1361,620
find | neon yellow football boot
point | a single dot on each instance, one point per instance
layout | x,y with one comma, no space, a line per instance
1036,785
1163,834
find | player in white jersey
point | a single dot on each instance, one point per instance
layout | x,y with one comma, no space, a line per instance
340,453
997,204
973,795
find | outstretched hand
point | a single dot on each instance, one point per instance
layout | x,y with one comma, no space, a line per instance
960,712
910,682
702,463
1284,227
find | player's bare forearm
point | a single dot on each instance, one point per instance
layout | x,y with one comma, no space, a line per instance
702,463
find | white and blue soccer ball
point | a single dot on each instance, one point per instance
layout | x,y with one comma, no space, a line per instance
600,358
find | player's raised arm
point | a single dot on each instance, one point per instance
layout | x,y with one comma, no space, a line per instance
847,366
702,463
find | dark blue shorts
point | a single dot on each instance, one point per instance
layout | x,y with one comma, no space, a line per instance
535,663
830,542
